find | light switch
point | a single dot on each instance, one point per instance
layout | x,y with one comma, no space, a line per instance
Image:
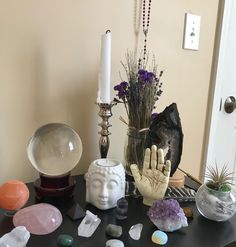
192,31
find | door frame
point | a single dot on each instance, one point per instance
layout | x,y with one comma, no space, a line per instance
214,97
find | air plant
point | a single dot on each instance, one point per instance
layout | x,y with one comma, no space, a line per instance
219,180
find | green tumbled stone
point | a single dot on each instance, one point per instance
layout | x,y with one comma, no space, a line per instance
114,230
65,240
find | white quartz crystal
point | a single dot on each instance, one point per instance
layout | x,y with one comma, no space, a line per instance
88,225
18,237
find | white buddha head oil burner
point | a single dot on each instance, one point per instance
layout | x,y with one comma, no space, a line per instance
105,183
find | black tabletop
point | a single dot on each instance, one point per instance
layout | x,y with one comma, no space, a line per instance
200,232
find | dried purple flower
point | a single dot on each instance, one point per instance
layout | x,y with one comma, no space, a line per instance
140,91
124,84
154,116
122,89
145,76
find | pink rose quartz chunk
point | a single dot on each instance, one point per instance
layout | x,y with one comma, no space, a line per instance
39,219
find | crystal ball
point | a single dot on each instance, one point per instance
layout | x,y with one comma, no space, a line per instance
54,149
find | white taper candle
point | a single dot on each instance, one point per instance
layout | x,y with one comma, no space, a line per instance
104,80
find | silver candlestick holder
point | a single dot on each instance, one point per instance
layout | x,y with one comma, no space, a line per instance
105,113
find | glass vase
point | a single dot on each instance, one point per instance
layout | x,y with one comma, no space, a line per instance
215,205
135,146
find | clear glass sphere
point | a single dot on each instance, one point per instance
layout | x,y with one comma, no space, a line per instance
54,149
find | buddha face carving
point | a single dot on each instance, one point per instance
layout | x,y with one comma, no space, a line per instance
105,183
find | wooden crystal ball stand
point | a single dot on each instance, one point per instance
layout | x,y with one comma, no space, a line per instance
55,187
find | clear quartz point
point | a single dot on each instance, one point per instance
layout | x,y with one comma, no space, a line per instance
135,231
88,225
18,237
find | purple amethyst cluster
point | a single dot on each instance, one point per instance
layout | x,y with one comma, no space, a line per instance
167,215
162,209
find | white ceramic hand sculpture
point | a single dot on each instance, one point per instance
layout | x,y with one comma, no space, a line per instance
153,181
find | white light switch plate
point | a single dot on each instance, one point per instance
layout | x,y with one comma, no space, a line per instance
192,31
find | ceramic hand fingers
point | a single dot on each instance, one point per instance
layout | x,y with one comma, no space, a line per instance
160,159
154,157
167,168
146,161
135,172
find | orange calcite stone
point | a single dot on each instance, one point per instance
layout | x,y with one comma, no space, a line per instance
13,195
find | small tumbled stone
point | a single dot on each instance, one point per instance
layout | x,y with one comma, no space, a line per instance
114,243
114,230
159,237
135,231
188,212
38,219
65,240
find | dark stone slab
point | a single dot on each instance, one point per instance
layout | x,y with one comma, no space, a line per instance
166,133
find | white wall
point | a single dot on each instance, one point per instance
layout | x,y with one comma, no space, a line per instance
49,61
